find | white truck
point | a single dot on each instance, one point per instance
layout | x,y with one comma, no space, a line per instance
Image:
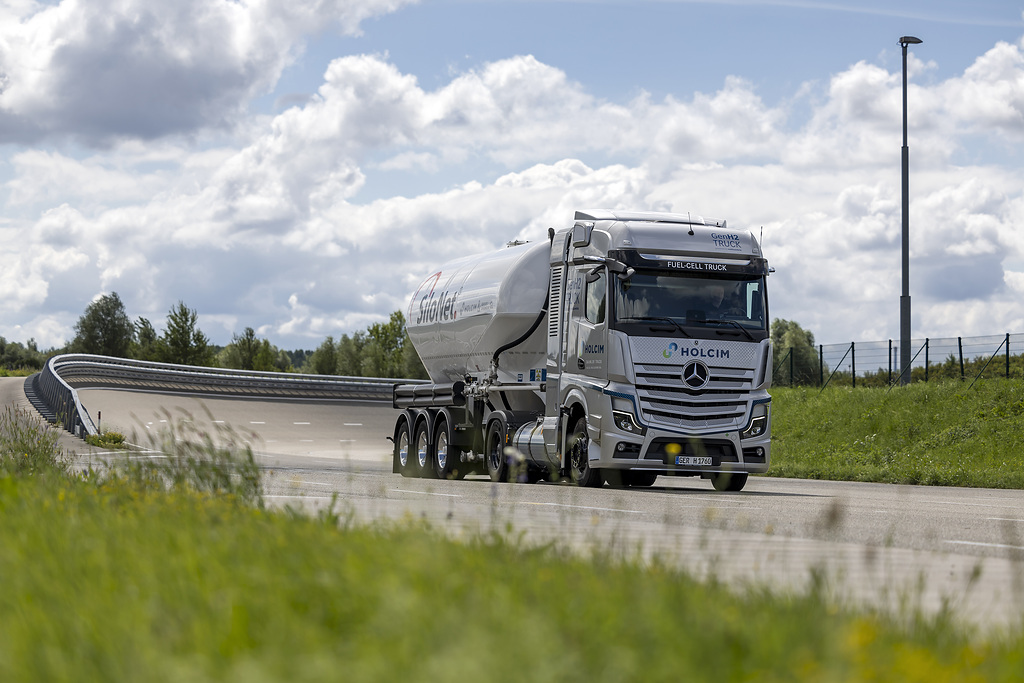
629,346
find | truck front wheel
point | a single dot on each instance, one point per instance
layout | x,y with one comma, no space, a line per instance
729,481
580,471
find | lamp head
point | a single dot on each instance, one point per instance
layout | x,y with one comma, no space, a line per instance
909,40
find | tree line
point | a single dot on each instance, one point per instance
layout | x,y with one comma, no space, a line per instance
106,329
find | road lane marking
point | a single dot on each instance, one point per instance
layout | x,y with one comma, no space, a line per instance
300,423
257,423
301,497
429,493
353,424
583,507
1004,519
988,545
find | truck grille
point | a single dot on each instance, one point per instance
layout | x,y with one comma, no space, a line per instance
665,400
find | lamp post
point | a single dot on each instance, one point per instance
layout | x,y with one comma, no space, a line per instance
905,296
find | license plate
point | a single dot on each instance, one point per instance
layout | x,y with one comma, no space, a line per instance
693,461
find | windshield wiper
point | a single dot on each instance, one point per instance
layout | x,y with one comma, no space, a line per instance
734,324
656,319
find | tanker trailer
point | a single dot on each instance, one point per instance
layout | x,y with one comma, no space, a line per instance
628,346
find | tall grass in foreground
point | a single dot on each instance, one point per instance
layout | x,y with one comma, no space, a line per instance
104,581
214,459
27,447
936,433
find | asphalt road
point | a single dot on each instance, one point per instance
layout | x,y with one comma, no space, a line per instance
881,544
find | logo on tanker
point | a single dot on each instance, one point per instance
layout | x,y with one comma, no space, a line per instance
433,306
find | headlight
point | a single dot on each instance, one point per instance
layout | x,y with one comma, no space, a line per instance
626,423
758,423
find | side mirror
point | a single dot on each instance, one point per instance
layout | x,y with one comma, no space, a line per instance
581,234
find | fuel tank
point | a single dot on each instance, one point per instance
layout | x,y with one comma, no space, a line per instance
467,309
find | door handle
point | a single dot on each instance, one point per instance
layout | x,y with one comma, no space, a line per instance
580,364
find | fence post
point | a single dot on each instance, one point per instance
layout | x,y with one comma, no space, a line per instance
960,347
853,364
890,361
926,360
791,379
821,365
1007,355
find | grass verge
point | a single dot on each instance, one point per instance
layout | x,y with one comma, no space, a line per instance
929,433
107,581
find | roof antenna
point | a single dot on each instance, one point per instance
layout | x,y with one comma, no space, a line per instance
690,221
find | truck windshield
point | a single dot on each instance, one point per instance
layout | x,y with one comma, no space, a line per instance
696,306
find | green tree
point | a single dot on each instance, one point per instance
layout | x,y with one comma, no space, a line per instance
105,328
795,356
324,360
350,354
265,358
247,347
183,342
146,345
384,354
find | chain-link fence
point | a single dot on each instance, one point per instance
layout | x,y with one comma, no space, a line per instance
877,364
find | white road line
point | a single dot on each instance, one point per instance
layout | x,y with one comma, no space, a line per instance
305,440
973,505
311,483
302,497
429,493
1004,519
300,423
257,423
583,507
987,545
353,424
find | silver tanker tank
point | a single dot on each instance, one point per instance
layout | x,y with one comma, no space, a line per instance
461,314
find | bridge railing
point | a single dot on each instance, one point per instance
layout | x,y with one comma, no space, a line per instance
58,382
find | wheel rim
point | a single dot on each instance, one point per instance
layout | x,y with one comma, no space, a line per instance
442,449
421,448
403,448
578,461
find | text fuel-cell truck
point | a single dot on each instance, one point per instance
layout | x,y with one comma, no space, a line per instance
629,346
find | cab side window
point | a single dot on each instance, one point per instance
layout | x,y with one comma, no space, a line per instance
595,300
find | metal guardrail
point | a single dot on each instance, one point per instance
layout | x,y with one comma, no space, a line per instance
56,385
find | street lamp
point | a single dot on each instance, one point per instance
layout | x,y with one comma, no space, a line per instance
905,297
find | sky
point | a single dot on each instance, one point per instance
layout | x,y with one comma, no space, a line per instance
299,167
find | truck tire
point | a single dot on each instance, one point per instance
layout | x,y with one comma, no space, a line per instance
729,481
580,471
447,463
403,449
422,457
494,450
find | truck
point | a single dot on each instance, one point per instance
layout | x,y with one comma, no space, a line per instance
628,346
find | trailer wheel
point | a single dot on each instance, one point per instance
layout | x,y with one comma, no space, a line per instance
446,457
497,463
402,463
422,465
729,481
580,471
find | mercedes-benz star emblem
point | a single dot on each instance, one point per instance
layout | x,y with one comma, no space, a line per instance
696,375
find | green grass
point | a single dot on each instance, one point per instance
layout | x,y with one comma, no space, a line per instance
941,433
172,571
107,581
